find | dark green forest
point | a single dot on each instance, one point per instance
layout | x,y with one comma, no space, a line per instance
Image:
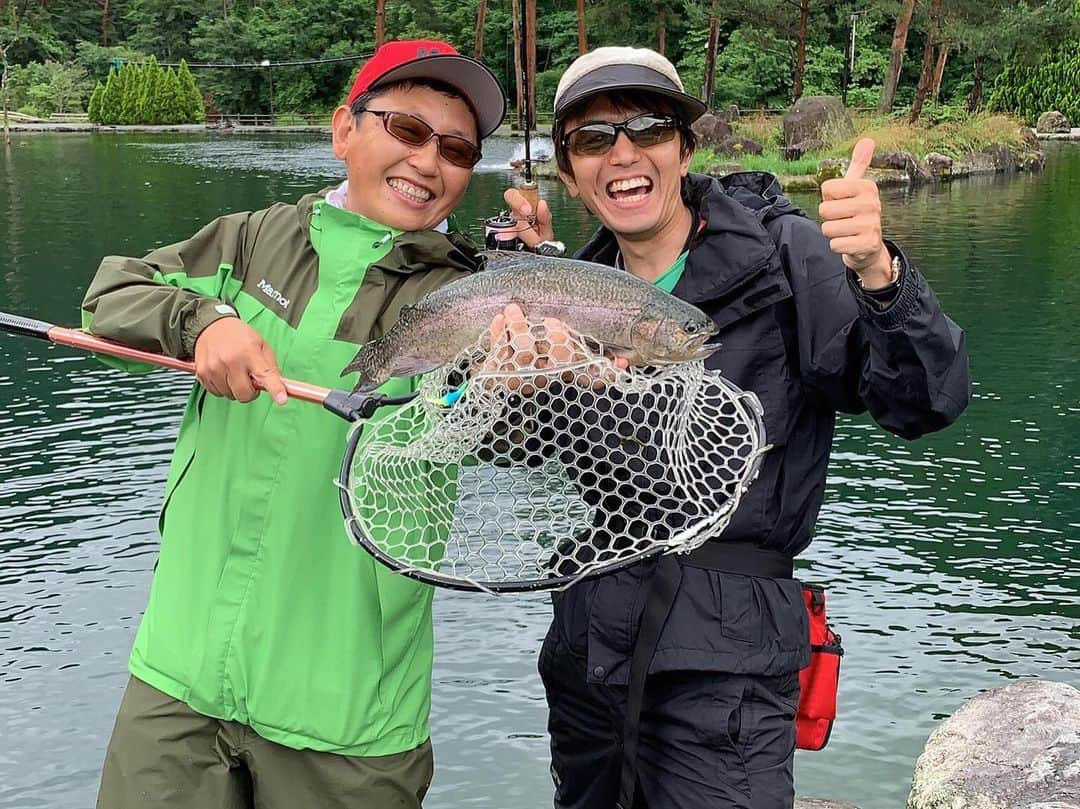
947,56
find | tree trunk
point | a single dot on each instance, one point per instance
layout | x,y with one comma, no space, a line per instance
582,44
661,29
530,49
939,70
515,13
380,22
104,23
927,70
481,12
974,100
708,86
800,51
896,57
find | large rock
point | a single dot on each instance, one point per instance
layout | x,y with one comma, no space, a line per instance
729,113
736,146
800,149
821,118
1052,122
711,130
1016,747
902,161
940,165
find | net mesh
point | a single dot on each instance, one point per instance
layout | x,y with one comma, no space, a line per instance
550,464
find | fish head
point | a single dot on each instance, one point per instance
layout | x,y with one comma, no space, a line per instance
666,337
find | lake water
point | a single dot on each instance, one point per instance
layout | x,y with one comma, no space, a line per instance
952,562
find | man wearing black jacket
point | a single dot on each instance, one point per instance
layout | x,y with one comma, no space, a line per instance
813,320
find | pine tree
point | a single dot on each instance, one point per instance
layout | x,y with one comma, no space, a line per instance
194,111
171,98
93,109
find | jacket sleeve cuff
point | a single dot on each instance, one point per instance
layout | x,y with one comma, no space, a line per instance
893,315
205,312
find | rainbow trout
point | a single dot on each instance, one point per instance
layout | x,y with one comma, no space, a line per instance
628,316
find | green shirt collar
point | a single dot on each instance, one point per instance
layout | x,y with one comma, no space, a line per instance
672,274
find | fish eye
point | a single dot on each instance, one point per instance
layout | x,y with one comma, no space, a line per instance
690,327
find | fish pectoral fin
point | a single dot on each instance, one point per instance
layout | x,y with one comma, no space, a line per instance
412,366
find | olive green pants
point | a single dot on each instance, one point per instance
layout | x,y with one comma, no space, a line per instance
163,754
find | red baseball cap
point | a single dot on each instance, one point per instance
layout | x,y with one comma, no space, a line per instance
432,59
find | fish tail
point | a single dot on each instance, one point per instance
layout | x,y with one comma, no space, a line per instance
364,364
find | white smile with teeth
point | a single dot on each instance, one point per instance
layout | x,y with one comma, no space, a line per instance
616,188
413,192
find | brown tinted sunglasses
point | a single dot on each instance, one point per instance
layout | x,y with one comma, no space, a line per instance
412,131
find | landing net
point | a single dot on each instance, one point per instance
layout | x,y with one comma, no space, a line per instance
502,477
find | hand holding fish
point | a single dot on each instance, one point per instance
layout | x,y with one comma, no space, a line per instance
541,229
851,220
233,360
517,345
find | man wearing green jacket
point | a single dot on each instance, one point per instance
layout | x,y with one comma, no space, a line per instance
277,665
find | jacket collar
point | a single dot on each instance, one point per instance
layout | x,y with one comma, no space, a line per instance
412,251
732,247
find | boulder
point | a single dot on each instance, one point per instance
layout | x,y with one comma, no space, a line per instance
831,168
711,130
801,148
821,118
902,161
723,169
1016,747
735,145
1052,122
729,113
940,165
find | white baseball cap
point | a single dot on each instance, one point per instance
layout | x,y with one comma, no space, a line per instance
618,68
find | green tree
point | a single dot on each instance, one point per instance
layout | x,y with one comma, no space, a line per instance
93,109
64,89
191,98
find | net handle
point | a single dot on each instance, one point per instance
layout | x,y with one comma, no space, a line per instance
347,405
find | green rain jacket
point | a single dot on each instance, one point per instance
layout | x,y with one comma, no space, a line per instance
261,611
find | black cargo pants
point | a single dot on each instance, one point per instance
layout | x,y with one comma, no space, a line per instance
707,740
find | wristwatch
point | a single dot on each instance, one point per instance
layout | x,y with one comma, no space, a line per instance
894,277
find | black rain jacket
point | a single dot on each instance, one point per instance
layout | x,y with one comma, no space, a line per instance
795,329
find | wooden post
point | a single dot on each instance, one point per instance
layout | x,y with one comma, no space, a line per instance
800,51
380,22
661,28
582,45
530,22
708,89
3,89
516,15
481,12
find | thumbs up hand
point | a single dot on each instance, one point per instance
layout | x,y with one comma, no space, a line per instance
850,213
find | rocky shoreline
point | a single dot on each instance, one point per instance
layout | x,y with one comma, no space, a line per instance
1015,747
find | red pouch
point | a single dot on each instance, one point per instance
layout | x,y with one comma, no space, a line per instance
819,680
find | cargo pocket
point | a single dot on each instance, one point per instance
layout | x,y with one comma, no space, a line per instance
740,613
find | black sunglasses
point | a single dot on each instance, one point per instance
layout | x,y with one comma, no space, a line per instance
597,138
412,131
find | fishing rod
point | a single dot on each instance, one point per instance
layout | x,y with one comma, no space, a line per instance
500,231
528,187
346,404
